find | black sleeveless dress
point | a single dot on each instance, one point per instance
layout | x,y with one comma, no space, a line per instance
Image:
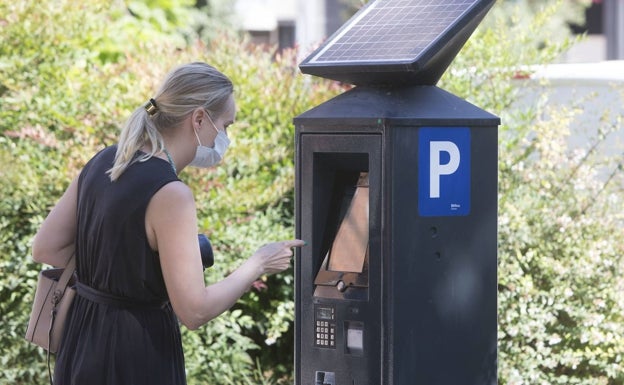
109,343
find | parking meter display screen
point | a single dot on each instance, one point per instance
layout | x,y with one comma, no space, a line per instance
325,313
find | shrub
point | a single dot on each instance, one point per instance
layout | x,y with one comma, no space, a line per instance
560,221
66,85
57,113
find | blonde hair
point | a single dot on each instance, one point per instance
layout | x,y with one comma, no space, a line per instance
184,89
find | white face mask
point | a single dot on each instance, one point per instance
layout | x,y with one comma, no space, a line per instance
210,156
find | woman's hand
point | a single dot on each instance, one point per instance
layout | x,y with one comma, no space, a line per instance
275,257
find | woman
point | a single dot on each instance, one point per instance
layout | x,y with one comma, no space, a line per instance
132,225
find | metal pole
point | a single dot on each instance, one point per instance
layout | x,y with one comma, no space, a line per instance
614,28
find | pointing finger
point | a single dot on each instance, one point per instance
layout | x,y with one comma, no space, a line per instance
294,243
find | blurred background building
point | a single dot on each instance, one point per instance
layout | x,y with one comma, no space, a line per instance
306,23
604,25
589,76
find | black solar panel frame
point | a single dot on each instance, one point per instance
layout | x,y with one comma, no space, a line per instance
414,71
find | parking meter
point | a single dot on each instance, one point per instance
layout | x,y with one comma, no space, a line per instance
396,195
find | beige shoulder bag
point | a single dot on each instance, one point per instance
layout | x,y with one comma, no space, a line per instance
53,299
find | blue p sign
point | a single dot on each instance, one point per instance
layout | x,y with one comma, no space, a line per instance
444,171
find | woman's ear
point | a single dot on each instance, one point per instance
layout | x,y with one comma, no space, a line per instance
198,116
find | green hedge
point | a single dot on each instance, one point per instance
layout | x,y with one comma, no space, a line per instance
561,318
71,71
57,113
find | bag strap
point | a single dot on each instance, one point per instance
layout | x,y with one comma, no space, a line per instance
63,282
66,276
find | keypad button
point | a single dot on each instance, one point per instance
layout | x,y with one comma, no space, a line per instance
325,333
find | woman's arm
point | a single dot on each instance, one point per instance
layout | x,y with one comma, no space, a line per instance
54,242
171,224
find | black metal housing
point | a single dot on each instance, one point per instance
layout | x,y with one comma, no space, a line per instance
428,314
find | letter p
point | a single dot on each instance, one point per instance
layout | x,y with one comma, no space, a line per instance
436,169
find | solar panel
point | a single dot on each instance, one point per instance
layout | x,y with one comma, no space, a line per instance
390,41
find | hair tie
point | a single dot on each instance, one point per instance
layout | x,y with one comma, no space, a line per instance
151,107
